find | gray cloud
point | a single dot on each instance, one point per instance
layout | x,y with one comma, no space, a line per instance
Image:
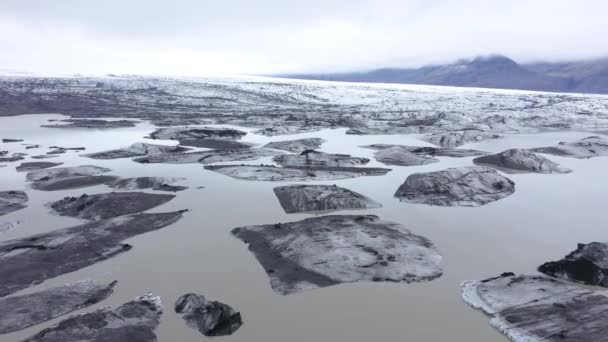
271,36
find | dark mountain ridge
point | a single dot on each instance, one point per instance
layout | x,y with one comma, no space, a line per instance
489,72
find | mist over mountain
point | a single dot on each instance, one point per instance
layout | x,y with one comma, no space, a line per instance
494,71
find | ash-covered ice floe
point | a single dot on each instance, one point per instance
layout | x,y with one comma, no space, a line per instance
594,146
496,294
397,125
154,183
588,264
329,250
33,166
211,318
169,121
45,156
401,156
206,137
519,160
458,138
193,133
107,205
463,186
28,261
15,157
285,130
170,188
303,198
20,312
209,157
431,151
134,321
314,158
92,123
531,308
62,150
296,146
216,144
78,148
294,174
137,150
62,178
12,200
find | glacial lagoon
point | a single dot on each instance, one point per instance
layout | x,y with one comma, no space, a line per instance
543,220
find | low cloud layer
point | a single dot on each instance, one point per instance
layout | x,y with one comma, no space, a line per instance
195,38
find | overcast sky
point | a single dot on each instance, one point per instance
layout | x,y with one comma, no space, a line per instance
198,37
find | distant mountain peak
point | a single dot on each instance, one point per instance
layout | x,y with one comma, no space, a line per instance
493,61
492,71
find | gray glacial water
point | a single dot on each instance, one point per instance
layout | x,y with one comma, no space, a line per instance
543,220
